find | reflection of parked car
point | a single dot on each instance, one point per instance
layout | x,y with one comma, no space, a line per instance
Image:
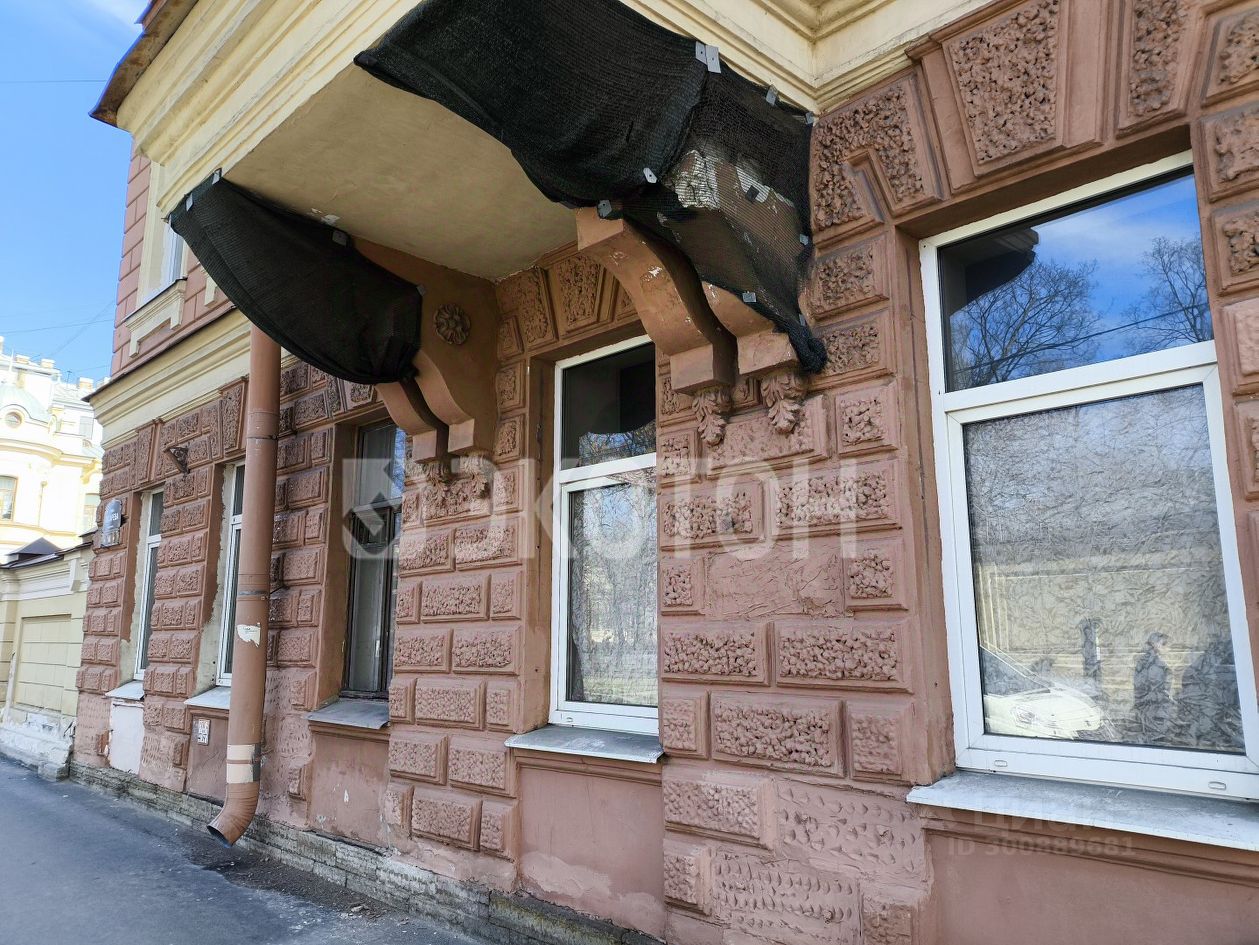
1019,703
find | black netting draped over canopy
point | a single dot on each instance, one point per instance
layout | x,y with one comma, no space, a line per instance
598,103
303,283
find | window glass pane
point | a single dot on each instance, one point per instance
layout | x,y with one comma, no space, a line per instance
8,489
372,585
1099,584
609,409
150,593
155,514
612,592
381,465
229,602
1121,277
238,491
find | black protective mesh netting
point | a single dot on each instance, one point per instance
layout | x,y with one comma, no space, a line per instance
598,103
303,283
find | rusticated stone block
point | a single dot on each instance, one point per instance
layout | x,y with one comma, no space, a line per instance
1237,245
1233,63
509,387
866,419
425,553
1232,150
672,405
752,441
182,647
288,529
509,440
487,545
460,498
310,411
401,698
406,602
396,807
783,901
677,456
459,703
857,497
504,595
457,598
851,831
485,649
1007,78
422,651
1242,321
307,488
687,878
720,804
730,514
844,653
500,705
849,277
874,576
483,766
684,722
729,653
505,490
295,648
876,740
446,817
777,732
418,755
498,829
682,586
885,922
302,565
304,691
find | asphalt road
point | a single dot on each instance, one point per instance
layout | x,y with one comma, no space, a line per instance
79,868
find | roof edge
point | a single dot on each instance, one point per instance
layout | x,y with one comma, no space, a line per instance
160,20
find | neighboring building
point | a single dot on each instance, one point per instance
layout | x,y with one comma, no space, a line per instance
50,455
43,597
616,607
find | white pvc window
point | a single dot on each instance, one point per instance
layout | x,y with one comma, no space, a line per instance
603,642
231,574
1093,597
172,257
148,588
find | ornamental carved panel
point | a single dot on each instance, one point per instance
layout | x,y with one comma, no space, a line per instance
1156,60
1233,61
1006,76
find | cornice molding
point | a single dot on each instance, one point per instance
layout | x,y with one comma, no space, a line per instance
190,372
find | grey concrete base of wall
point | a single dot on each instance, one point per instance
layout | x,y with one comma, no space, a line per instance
476,911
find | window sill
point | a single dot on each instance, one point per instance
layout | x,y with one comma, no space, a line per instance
590,743
369,714
132,691
1207,820
219,697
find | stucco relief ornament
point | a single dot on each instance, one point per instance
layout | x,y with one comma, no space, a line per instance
437,472
783,392
480,470
712,405
453,325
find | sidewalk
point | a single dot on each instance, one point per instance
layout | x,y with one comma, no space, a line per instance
77,867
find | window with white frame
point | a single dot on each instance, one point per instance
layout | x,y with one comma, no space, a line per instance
603,643
172,257
231,573
148,573
1096,622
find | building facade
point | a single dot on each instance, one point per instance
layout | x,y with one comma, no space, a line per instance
43,597
49,455
948,641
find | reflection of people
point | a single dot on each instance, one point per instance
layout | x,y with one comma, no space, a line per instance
1091,653
1208,713
1152,690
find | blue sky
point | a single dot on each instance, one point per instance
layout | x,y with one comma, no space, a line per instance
62,179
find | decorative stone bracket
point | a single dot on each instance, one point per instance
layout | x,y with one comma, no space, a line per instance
670,300
449,406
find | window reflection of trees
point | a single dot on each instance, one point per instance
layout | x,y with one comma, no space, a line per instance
1044,318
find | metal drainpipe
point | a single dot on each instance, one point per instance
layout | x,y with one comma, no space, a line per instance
249,645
